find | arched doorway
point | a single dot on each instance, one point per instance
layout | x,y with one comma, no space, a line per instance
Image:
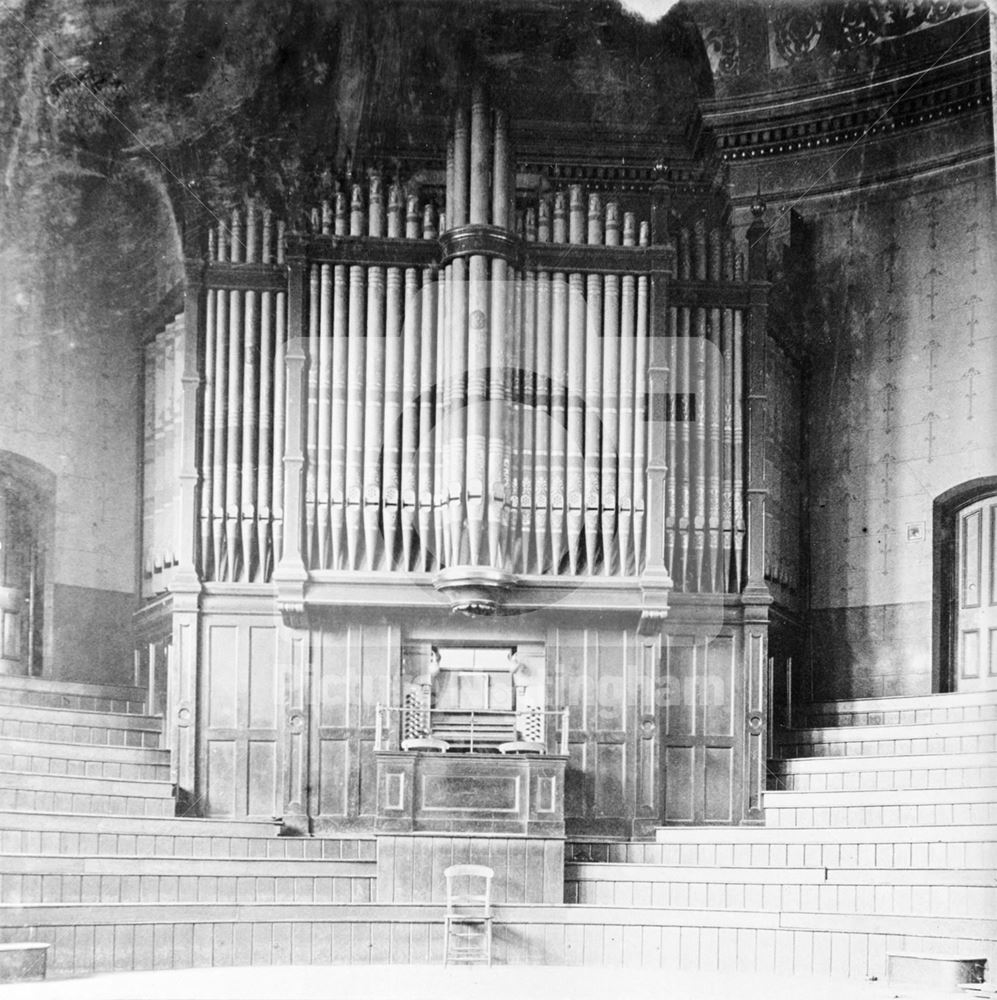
24,507
966,586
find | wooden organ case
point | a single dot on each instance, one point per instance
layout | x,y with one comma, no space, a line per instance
503,397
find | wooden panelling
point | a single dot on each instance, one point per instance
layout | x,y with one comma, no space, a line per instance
527,869
470,793
92,938
239,744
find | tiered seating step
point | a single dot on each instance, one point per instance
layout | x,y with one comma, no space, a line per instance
95,937
927,738
896,771
880,847
28,792
84,760
954,707
77,726
28,879
882,807
107,836
907,892
46,693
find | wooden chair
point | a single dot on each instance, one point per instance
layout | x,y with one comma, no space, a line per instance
468,920
425,743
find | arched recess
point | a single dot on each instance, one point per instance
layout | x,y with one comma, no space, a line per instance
27,525
951,568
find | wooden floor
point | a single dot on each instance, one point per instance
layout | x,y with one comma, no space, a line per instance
422,982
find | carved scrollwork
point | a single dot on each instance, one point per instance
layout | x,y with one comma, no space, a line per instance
859,23
722,44
294,614
796,33
901,16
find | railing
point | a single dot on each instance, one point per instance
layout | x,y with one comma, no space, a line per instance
470,729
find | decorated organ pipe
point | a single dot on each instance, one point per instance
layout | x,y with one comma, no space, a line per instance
476,390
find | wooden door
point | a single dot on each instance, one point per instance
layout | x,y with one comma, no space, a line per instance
975,638
700,703
16,585
240,751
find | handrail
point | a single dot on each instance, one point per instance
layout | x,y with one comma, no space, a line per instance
390,722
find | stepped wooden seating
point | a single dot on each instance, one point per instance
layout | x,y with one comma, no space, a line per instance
877,843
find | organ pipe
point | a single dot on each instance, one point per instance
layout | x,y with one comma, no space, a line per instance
640,405
357,370
592,441
279,394
489,410
609,399
542,400
265,437
320,413
576,385
411,377
391,451
627,409
340,381
374,384
233,435
428,394
559,394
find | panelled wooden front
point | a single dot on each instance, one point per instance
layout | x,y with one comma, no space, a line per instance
700,706
354,668
240,696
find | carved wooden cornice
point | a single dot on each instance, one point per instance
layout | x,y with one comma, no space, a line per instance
902,96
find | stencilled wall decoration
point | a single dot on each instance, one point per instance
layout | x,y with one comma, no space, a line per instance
897,423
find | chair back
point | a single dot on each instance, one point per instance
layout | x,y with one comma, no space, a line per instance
469,890
522,747
425,743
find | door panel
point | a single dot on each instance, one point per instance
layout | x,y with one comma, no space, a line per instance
699,751
976,599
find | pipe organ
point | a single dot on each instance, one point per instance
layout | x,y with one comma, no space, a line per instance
477,388
492,385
